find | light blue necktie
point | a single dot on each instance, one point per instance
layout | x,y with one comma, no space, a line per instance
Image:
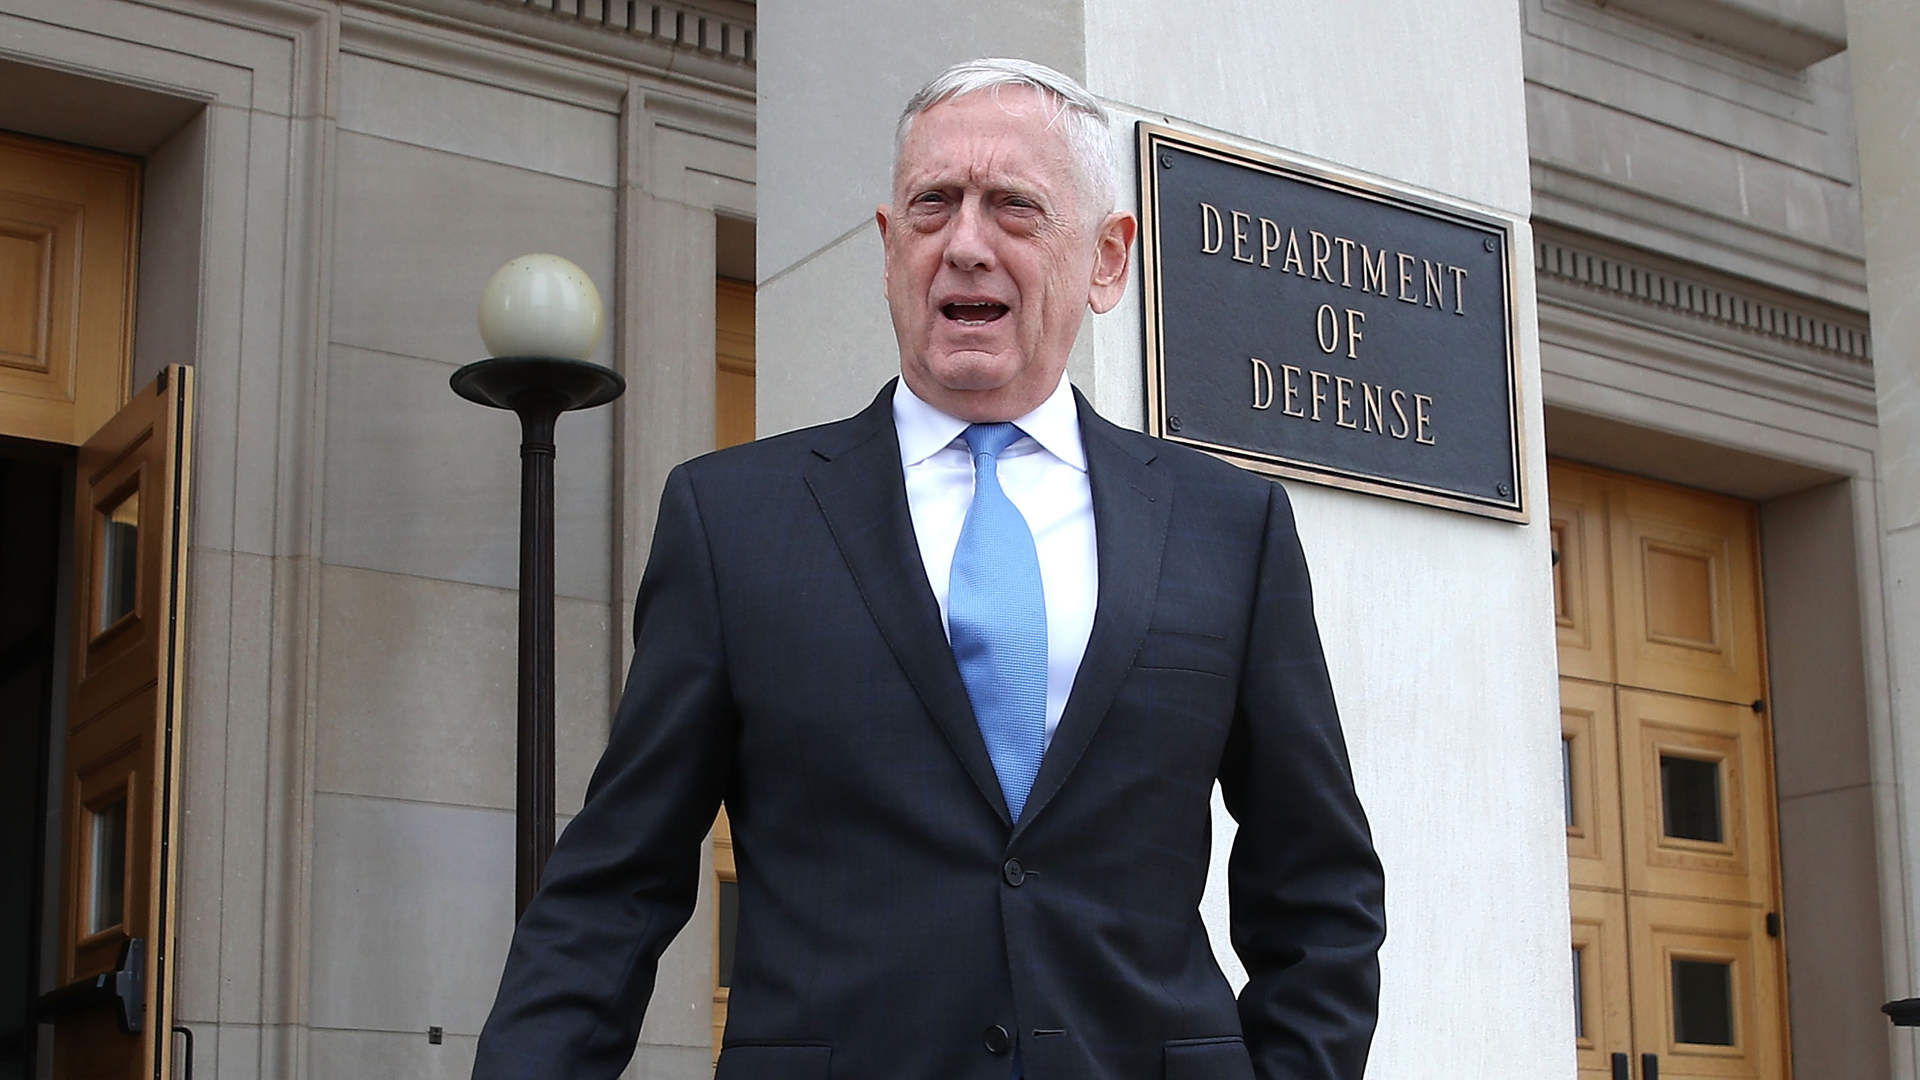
997,621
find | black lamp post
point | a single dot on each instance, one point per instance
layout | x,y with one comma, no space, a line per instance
539,314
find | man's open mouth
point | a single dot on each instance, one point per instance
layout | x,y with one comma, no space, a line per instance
973,314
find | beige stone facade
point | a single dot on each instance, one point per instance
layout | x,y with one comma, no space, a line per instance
327,185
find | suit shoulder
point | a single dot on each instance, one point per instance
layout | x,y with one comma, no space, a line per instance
787,451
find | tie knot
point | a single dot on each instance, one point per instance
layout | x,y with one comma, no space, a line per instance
990,439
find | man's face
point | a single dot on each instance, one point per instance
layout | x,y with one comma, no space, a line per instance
990,259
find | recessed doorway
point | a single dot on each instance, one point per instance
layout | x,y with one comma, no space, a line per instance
1679,967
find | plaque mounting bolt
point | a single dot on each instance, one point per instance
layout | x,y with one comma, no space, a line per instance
1503,489
1490,244
1173,423
1166,161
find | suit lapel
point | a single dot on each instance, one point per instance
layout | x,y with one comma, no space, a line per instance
857,481
1131,507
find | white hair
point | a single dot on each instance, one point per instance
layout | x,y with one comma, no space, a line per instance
1082,118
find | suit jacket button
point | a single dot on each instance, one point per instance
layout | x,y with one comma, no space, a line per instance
1015,874
998,1040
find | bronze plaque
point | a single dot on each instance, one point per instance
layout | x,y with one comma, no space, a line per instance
1328,329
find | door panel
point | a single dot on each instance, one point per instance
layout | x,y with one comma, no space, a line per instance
123,732
1685,593
114,613
1590,754
110,819
67,233
1699,802
1602,1002
1706,990
1582,602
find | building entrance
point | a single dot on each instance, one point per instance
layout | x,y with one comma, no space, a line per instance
1672,850
94,646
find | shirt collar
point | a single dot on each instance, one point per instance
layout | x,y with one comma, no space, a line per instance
925,431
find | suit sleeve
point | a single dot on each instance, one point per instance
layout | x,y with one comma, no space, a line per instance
1306,889
623,877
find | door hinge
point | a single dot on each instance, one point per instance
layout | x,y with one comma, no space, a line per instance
1773,924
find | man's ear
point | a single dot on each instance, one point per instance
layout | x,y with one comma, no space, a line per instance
1113,249
886,255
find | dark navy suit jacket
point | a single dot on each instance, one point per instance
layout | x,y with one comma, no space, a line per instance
789,660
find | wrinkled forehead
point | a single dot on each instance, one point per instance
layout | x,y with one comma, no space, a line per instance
1000,135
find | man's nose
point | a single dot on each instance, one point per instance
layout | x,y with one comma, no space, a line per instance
969,246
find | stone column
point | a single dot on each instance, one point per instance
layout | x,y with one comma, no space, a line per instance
1438,626
1883,40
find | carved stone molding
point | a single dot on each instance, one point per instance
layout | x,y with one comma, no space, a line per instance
711,44
1799,331
703,28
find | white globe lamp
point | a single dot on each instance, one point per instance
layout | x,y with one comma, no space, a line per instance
541,305
540,318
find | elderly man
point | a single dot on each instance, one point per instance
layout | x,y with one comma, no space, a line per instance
964,669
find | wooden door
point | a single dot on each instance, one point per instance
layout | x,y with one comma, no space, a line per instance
121,771
67,233
1672,851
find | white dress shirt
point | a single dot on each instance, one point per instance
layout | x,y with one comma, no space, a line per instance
1045,474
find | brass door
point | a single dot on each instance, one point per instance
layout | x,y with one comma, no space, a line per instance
1672,856
121,772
